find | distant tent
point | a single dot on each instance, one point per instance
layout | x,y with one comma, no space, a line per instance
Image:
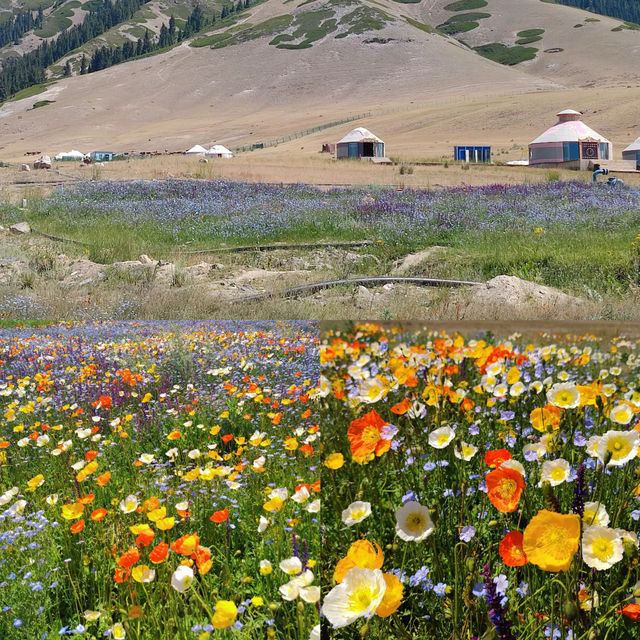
219,151
74,154
195,151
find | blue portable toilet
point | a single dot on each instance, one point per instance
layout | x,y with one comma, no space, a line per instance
472,153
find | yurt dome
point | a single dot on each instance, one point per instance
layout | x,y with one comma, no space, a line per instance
569,128
197,150
360,134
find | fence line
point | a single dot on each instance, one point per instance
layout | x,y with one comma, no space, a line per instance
380,112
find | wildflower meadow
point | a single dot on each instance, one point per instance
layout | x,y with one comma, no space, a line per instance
542,232
478,487
159,481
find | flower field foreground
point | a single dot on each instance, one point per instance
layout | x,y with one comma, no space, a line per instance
480,488
159,481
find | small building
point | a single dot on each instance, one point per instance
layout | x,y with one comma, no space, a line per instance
219,151
360,143
632,152
569,144
472,153
102,156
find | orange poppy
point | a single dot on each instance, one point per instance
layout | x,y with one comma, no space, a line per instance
496,457
98,514
307,449
135,611
201,556
159,553
544,417
227,437
511,550
365,436
402,407
467,404
145,538
103,479
77,527
103,401
220,516
631,610
88,499
186,545
151,504
90,455
505,487
128,558
121,575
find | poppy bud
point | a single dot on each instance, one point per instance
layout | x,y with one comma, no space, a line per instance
364,632
570,610
300,606
492,524
630,550
470,564
550,497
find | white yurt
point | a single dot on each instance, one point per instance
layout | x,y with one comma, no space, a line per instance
196,151
360,143
219,151
569,143
74,154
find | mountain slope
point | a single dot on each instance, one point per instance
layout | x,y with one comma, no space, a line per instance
572,46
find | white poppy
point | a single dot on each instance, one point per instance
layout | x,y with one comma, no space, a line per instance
413,522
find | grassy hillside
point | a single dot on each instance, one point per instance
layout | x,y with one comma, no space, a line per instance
547,35
339,18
